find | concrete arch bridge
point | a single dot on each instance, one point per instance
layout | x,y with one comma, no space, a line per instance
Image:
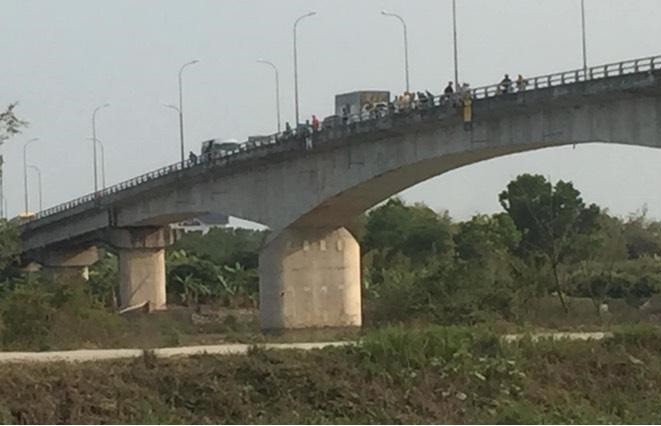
310,267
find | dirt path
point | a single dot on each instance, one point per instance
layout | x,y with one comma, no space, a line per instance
109,354
226,349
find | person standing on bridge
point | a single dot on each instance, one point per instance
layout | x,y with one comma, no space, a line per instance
449,90
521,83
467,103
316,124
505,84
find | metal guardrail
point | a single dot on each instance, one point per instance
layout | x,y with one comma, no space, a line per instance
535,83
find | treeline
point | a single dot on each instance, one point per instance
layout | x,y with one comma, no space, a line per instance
420,265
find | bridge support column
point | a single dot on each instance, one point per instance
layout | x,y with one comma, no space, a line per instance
69,263
310,278
142,266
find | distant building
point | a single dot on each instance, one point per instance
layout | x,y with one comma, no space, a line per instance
203,224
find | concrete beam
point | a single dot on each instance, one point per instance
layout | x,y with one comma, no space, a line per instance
70,257
310,278
142,237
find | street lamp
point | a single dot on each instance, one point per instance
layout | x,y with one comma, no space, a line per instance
456,54
406,45
181,107
96,178
38,171
277,87
585,50
25,172
296,63
103,164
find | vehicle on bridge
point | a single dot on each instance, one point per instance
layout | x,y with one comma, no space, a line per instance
23,217
361,105
218,147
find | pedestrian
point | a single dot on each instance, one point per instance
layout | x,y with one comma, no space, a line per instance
521,83
467,102
316,124
287,128
192,157
449,90
505,84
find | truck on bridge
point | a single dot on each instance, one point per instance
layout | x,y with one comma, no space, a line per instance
351,106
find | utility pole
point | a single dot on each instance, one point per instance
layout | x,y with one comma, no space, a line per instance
25,173
456,54
96,173
277,88
39,181
181,110
406,47
585,48
296,65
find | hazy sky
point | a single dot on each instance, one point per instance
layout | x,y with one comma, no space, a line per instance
61,59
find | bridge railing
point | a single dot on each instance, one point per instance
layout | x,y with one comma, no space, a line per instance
534,83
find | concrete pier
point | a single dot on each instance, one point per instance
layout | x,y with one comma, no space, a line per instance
142,266
310,278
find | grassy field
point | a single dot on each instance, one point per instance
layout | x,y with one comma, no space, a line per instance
435,375
210,325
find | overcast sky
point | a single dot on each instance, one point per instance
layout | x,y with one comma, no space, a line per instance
61,59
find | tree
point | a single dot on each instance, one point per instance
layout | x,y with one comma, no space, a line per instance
10,125
414,231
643,236
484,236
554,222
9,247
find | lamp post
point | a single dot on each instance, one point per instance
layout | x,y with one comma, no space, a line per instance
307,15
96,178
277,87
103,164
454,35
181,107
585,49
25,172
38,171
406,46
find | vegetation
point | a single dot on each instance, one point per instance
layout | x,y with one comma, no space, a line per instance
10,124
433,375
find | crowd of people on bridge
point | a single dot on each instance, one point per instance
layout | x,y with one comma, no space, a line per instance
458,96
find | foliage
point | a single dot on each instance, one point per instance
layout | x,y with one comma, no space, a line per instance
554,222
10,124
196,280
416,232
9,247
103,281
398,375
642,236
224,246
38,313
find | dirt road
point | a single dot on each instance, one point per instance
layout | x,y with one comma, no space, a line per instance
226,349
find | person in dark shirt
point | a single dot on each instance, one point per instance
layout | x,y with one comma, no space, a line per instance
506,84
449,90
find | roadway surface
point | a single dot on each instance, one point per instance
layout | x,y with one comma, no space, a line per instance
227,349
